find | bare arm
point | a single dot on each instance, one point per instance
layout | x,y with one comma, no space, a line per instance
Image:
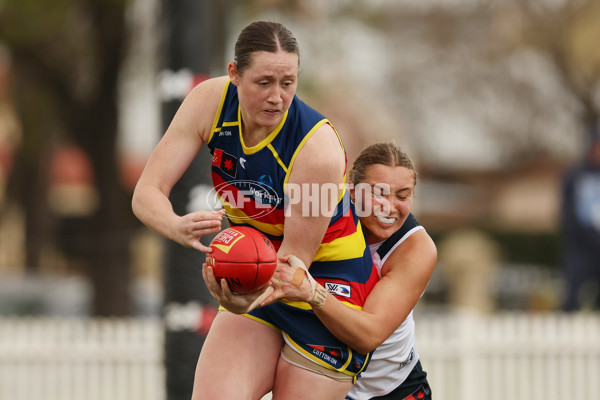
405,275
188,131
321,161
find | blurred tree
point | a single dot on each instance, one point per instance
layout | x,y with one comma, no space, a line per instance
567,32
66,58
508,78
467,86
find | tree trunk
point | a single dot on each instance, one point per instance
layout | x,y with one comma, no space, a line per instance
51,103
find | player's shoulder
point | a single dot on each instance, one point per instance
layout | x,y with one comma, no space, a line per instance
410,237
204,97
323,152
324,143
210,88
418,249
408,228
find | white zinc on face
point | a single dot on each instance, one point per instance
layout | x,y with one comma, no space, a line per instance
384,179
388,203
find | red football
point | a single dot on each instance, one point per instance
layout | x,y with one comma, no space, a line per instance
244,257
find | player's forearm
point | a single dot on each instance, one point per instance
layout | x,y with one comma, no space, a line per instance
154,210
357,328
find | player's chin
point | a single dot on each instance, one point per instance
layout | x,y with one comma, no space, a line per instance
385,227
270,119
374,229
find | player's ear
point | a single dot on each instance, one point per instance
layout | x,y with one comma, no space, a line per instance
351,190
233,73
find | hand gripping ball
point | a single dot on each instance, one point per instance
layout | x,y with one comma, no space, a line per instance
244,257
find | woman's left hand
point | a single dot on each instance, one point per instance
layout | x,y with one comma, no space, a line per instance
291,281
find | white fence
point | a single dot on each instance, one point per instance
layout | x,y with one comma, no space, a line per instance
503,356
511,356
76,359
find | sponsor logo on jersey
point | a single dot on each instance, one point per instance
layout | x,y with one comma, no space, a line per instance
266,180
255,198
338,289
331,354
243,162
263,192
225,133
409,359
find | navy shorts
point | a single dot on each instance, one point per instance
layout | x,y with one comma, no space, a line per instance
305,333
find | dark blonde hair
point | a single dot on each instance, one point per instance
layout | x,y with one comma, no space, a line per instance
263,36
388,154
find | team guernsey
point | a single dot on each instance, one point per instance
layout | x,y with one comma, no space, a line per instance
394,359
251,183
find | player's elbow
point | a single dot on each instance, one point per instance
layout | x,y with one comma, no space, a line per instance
140,197
369,343
365,349
136,206
371,333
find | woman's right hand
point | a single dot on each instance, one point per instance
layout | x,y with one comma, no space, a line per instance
235,303
191,227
